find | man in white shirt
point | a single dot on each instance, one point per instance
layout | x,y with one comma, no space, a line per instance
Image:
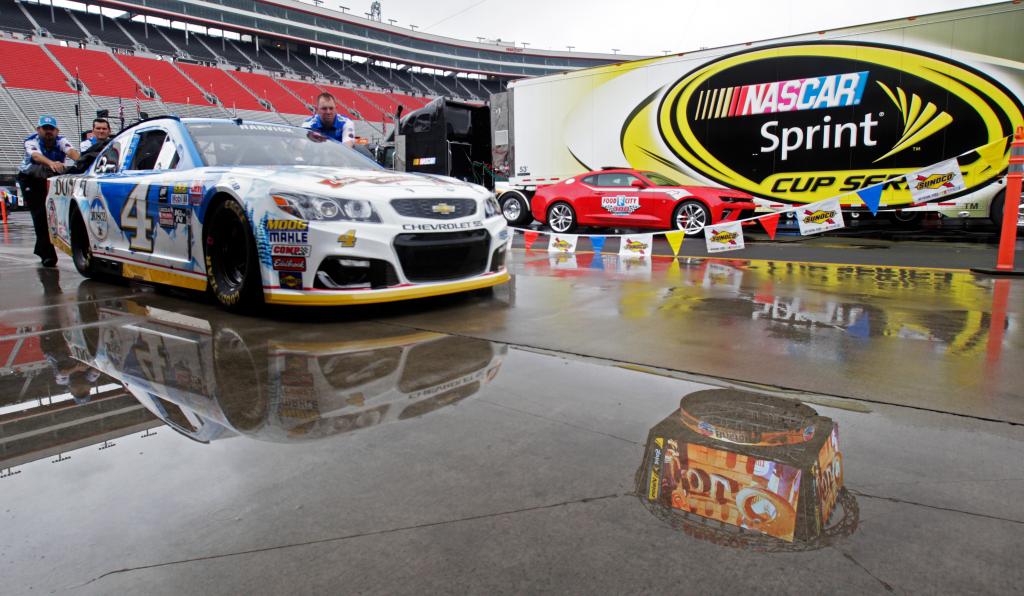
100,134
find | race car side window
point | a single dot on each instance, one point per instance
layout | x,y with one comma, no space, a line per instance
615,179
148,149
168,157
590,180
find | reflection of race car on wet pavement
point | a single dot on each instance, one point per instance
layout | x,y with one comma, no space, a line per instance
276,213
208,380
623,198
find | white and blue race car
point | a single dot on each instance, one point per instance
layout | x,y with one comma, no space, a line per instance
264,212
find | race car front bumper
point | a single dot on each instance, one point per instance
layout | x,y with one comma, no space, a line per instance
348,263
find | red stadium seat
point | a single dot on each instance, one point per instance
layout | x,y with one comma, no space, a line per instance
351,99
219,83
268,89
99,71
162,76
26,66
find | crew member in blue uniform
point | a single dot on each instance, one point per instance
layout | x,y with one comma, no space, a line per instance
45,153
328,122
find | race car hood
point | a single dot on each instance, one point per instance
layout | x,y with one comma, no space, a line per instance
357,183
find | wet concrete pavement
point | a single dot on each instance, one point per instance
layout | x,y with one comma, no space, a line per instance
504,443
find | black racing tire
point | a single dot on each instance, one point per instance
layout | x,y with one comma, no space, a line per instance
562,218
696,210
907,220
232,263
515,207
995,211
81,246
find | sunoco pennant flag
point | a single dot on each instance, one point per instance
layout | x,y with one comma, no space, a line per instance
561,243
820,217
724,237
636,246
936,181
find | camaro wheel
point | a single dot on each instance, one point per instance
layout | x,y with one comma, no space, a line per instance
81,249
562,218
516,208
232,265
691,217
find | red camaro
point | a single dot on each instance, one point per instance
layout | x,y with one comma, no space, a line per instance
624,198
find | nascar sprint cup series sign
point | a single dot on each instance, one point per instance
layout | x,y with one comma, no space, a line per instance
797,122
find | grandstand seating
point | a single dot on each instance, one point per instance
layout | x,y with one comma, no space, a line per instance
189,43
261,116
148,35
106,29
230,52
12,19
227,90
306,91
99,71
26,66
59,105
56,21
14,127
350,100
161,75
267,88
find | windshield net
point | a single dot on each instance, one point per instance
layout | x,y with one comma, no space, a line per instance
257,144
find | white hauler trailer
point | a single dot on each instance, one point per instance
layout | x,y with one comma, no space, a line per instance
791,120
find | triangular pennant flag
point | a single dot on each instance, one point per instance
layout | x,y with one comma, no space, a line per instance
994,154
529,238
871,196
597,242
675,240
770,223
562,243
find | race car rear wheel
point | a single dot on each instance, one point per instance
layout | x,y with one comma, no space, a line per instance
996,209
515,206
81,249
562,218
232,265
691,217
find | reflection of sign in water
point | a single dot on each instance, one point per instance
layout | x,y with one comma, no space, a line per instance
763,466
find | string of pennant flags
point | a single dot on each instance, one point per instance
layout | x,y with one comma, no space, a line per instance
925,184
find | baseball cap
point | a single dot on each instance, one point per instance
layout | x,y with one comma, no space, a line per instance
45,120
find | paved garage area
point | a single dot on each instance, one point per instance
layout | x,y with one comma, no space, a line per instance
152,443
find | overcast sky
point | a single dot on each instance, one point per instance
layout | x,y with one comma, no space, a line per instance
639,27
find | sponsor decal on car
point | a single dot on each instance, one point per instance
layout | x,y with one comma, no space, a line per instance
620,205
166,217
181,215
834,118
289,280
443,227
162,194
179,198
348,239
180,188
443,208
289,263
289,250
287,231
99,224
339,181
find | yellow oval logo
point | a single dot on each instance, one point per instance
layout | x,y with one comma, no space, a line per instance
805,122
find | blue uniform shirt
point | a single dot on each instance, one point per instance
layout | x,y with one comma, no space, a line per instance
33,144
342,130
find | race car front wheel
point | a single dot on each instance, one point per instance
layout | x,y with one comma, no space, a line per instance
516,208
562,218
81,249
691,217
232,265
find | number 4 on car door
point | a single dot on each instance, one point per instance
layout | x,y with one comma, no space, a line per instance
136,221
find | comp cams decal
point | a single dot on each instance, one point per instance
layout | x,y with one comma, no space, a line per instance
804,122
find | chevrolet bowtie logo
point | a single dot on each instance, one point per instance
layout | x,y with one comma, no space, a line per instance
443,209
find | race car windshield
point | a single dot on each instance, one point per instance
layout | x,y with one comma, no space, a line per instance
660,180
256,144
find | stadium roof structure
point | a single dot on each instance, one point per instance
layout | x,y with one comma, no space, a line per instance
338,31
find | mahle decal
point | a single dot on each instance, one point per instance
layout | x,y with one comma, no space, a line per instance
806,122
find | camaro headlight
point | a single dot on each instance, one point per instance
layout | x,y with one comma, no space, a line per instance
491,207
317,208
